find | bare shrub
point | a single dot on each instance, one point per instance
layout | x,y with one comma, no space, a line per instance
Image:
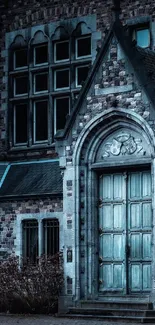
32,288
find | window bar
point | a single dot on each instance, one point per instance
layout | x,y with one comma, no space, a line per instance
45,240
40,240
53,237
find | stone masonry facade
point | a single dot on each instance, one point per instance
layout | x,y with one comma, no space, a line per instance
115,96
8,215
22,15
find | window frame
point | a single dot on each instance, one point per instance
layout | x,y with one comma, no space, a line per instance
25,243
76,47
34,120
34,55
64,60
34,83
14,87
76,74
56,229
41,235
44,43
55,115
14,60
136,30
14,127
55,81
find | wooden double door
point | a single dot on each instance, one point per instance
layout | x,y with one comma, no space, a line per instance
125,232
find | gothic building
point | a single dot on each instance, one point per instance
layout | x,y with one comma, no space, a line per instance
77,144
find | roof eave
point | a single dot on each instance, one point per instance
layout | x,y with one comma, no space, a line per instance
29,196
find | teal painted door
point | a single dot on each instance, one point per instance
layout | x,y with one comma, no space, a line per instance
125,232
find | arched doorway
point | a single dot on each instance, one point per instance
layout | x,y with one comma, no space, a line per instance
114,207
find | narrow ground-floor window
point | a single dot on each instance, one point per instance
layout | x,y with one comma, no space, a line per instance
30,240
51,236
48,244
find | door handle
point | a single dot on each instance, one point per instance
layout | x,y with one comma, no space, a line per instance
127,250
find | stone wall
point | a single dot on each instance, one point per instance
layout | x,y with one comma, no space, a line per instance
115,86
9,210
23,14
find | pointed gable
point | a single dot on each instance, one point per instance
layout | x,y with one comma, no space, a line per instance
141,62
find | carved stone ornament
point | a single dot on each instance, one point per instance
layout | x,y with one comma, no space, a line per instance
123,144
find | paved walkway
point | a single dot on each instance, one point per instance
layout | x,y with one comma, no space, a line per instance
49,320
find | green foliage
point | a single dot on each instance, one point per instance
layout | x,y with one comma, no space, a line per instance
32,288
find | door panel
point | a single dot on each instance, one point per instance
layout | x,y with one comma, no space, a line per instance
118,216
146,215
112,224
146,277
139,232
125,228
135,277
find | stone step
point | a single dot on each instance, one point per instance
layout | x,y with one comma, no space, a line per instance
135,319
109,312
116,305
133,297
148,320
150,313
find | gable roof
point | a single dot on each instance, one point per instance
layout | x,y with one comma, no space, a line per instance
142,61
32,179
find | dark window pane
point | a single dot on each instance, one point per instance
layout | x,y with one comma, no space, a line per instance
20,58
30,240
20,123
82,73
41,54
51,236
41,116
62,110
62,79
21,85
41,82
84,46
62,51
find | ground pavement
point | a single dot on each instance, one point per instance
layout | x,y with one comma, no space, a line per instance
49,320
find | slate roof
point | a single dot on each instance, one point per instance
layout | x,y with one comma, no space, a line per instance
37,178
142,60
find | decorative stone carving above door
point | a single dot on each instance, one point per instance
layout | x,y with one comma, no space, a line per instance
123,143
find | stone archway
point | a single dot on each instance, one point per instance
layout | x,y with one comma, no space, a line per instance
102,142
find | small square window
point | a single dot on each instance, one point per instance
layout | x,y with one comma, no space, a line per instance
81,74
40,82
142,37
83,47
20,85
61,111
62,79
20,123
61,51
20,58
41,54
41,121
